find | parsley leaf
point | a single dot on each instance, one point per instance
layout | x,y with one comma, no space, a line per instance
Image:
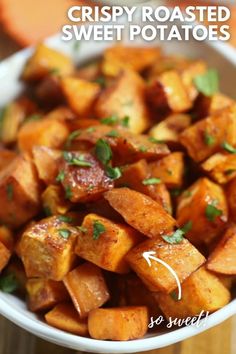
110,120
101,81
68,192
65,233
9,191
209,139
125,121
212,212
98,229
113,172
226,146
207,83
113,134
65,218
175,238
71,137
103,151
76,160
143,148
8,283
82,229
151,181
61,176
187,227
156,141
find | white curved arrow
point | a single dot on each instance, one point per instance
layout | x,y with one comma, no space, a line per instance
150,255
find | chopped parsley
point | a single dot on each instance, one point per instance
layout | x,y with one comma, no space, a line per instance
64,233
112,120
61,176
71,137
175,192
178,236
187,227
151,181
90,129
76,160
209,139
113,134
98,229
68,192
54,71
47,211
156,141
207,83
212,212
82,229
9,191
32,118
229,148
8,283
113,172
143,148
90,187
65,218
103,151
101,81
125,121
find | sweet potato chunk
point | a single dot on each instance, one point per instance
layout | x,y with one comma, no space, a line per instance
48,132
206,106
206,137
54,202
46,248
134,58
231,198
84,178
125,323
65,317
80,94
209,218
11,119
46,162
105,243
125,98
168,130
45,61
49,92
167,94
43,294
195,68
87,288
221,167
6,157
140,183
6,237
5,255
222,259
201,291
140,211
183,258
170,169
19,192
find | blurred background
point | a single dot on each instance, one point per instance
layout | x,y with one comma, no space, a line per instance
26,22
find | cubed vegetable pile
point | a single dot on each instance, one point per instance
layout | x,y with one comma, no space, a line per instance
134,152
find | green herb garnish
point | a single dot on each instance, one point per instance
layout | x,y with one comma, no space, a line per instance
113,172
65,233
8,283
68,192
82,229
212,212
113,134
125,121
90,187
71,137
76,160
187,227
143,148
209,139
174,296
90,129
187,194
65,218
103,151
175,192
9,191
101,81
207,83
229,148
156,141
61,176
98,229
47,211
112,120
151,181
54,71
175,238
32,117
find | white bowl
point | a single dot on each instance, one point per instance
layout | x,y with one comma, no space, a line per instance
220,56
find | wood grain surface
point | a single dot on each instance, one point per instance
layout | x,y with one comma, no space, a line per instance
13,340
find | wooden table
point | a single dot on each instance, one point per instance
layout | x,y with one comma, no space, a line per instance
219,340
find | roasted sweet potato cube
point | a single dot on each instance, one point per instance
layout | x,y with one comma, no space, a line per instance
206,137
83,177
46,161
65,317
222,259
167,94
54,202
201,291
47,248
49,92
125,323
47,131
19,192
6,237
195,68
15,269
221,167
170,170
90,71
143,183
43,294
82,123
206,106
6,157
210,216
105,243
140,211
87,288
183,258
45,61
231,198
169,62
80,94
168,130
11,120
126,97
118,58
5,255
